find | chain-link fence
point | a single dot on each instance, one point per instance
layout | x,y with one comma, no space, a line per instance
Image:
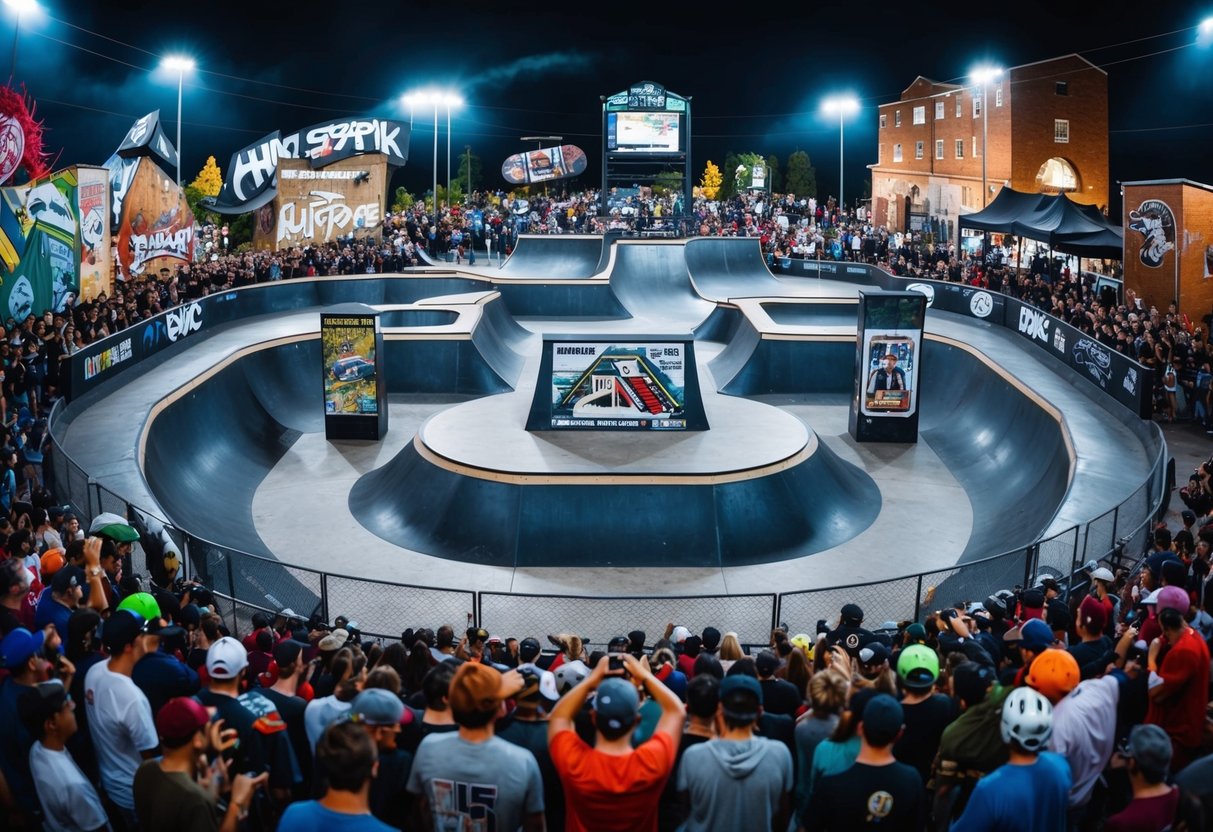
245,583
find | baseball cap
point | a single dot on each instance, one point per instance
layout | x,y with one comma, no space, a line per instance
529,649
376,706
191,615
618,644
476,688
1035,635
852,614
802,641
38,703
18,646
1173,598
1150,598
679,634
916,632
66,579
741,697
334,640
882,715
114,527
766,663
616,703
121,629
226,658
180,718
536,683
52,561
873,653
1102,573
971,680
1189,516
1091,614
1150,746
142,604
286,651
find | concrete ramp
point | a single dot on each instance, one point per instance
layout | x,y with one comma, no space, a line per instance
723,268
652,282
547,256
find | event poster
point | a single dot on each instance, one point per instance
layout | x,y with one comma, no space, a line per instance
891,335
347,344
619,386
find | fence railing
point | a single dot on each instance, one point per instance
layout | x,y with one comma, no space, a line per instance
245,583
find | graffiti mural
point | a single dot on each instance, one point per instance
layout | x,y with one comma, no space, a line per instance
96,262
156,229
1155,222
315,206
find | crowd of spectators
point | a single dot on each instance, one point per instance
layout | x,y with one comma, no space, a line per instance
127,704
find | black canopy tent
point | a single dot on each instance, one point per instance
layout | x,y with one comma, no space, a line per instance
1062,224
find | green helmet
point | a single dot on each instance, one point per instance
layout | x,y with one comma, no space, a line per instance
918,667
141,603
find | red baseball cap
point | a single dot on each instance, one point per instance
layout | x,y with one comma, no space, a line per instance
181,718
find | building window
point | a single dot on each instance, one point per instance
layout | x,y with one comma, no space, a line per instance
977,106
939,148
960,148
998,95
959,107
897,118
920,115
1061,87
1061,130
917,150
975,153
896,153
884,121
966,195
939,109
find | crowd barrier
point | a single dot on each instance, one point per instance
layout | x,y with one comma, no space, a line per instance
383,609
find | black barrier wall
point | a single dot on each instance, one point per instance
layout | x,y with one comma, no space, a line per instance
1129,383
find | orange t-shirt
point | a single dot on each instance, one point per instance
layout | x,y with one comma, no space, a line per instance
605,792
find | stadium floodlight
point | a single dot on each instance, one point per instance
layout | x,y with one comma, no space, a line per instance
842,106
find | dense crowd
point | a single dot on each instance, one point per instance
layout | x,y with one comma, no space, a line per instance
127,704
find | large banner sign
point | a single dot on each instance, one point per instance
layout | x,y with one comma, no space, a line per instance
156,225
544,165
888,355
318,206
146,137
640,384
96,261
252,173
1115,373
39,246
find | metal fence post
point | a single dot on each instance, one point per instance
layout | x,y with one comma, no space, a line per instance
1073,565
231,585
1030,558
324,596
918,600
1116,526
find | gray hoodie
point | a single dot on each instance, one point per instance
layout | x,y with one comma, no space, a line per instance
734,785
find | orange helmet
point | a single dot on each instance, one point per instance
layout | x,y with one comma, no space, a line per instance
1054,673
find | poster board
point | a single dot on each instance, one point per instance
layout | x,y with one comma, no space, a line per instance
351,350
888,356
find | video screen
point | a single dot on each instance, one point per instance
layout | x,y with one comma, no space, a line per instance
644,132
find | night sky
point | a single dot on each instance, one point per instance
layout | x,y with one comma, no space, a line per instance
757,82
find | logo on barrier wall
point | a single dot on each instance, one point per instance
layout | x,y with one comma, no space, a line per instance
1155,222
153,335
1034,324
97,364
1059,341
981,304
181,322
1095,357
1130,382
923,289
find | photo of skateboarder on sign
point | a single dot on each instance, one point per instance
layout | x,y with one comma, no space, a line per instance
888,386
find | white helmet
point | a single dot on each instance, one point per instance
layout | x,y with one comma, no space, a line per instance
569,675
1027,719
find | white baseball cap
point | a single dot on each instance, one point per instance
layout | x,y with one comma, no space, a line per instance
226,658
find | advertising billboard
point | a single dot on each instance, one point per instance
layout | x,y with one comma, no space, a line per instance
651,132
314,206
888,353
544,165
643,383
348,350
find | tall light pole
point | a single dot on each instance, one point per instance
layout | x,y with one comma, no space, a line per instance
843,106
19,7
179,64
982,76
450,100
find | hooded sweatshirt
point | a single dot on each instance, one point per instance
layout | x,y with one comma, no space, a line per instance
734,785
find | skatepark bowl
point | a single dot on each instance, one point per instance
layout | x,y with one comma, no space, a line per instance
774,514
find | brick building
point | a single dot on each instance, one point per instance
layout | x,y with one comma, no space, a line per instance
1048,132
1169,244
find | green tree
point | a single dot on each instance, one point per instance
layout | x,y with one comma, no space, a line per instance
801,178
477,170
668,181
743,170
402,201
728,188
774,183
